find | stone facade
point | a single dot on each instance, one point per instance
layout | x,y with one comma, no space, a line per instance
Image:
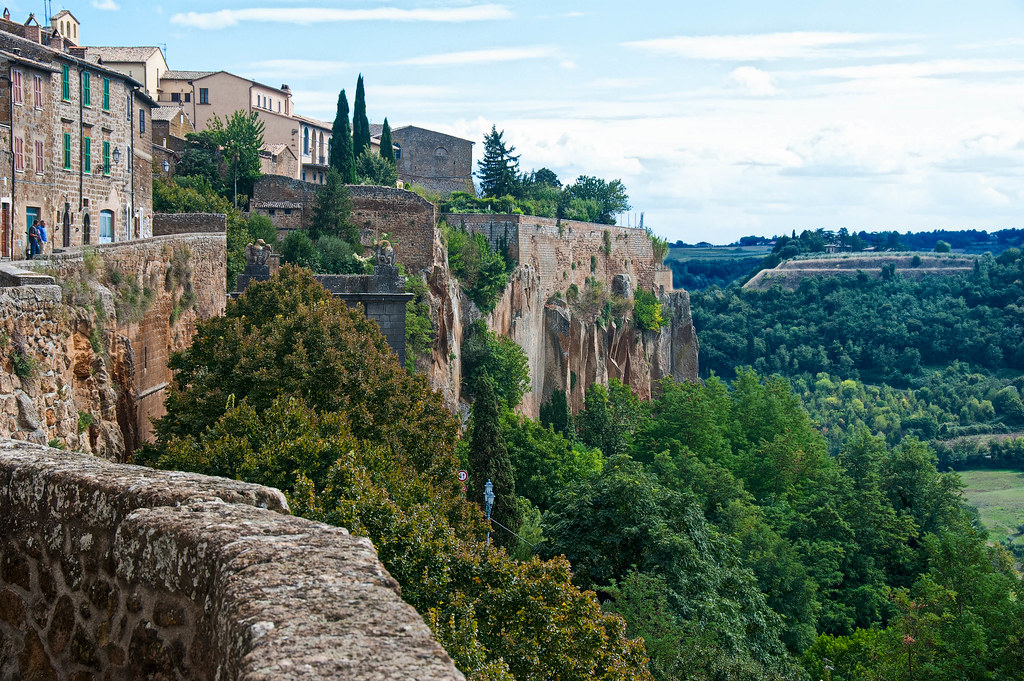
94,383
81,139
134,573
441,163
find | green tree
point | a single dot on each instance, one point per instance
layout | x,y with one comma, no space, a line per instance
387,147
488,460
609,197
498,170
331,211
240,137
360,124
342,157
375,169
942,247
486,354
202,158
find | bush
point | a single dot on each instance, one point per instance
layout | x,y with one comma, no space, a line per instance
298,249
647,311
482,271
419,330
487,354
372,168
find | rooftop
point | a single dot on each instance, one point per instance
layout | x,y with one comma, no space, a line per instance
120,54
187,75
166,113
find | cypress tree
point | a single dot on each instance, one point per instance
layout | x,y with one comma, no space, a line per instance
488,460
387,147
341,158
360,124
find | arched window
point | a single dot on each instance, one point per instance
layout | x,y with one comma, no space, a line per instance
440,152
305,140
320,148
106,226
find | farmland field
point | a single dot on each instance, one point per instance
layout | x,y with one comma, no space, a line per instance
718,253
999,497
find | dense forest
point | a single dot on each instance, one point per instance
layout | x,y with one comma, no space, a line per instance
714,533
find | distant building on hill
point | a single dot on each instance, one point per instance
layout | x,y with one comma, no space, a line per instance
441,163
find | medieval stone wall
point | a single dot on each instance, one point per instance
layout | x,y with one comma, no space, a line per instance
129,573
92,353
188,223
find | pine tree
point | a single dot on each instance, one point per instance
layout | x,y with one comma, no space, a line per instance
387,147
360,124
488,460
331,211
498,170
341,158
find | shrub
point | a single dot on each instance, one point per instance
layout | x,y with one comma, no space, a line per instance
647,311
85,419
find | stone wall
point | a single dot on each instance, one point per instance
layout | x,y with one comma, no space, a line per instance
134,573
441,163
376,211
98,344
188,223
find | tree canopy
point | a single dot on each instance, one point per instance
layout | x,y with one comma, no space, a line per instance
342,157
498,170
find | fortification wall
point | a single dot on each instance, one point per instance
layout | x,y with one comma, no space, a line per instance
131,573
98,344
165,224
408,218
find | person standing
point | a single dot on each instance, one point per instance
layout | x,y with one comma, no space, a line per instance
33,240
42,236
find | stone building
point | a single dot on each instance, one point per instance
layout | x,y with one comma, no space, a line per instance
170,125
77,142
441,163
205,95
278,159
144,64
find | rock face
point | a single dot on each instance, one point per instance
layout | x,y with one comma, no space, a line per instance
568,346
131,573
84,363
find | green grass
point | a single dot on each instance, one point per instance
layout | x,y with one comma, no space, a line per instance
719,253
999,497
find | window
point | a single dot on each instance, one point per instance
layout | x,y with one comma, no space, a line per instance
303,174
65,82
106,94
175,96
106,157
39,158
305,141
142,121
106,225
16,86
188,96
287,211
271,211
19,154
39,91
440,152
67,151
398,150
86,89
204,95
87,155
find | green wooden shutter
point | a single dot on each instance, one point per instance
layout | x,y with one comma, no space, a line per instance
67,151
87,154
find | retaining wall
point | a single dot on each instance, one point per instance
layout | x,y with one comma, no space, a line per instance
188,223
128,573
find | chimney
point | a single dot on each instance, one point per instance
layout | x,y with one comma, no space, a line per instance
286,88
76,51
34,34
57,42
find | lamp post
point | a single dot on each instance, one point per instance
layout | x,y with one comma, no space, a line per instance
117,155
167,166
488,502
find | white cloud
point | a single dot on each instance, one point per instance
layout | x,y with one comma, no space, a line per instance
923,69
296,68
753,81
770,46
567,64
501,54
306,16
105,4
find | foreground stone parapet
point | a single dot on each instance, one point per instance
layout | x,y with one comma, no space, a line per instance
124,572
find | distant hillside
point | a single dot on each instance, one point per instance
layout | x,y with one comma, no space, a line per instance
790,273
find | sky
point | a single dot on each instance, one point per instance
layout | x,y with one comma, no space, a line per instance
723,119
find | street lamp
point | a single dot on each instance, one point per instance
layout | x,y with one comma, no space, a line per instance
117,155
167,166
488,502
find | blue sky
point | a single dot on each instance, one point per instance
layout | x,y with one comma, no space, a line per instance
722,118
